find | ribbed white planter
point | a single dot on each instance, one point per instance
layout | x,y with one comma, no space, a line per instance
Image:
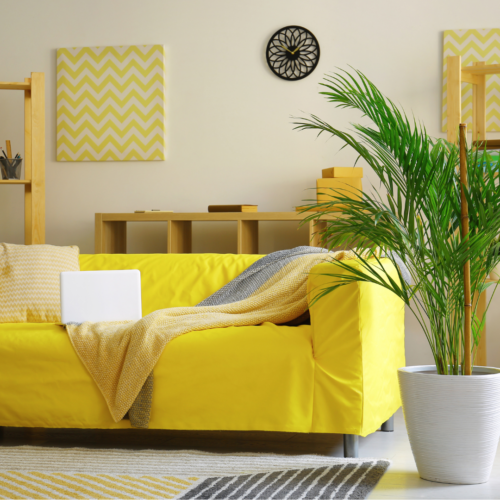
453,422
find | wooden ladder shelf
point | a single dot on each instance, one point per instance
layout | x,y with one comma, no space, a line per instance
34,156
475,75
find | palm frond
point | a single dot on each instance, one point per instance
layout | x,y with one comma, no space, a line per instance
417,217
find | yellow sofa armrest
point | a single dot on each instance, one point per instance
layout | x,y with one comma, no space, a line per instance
358,345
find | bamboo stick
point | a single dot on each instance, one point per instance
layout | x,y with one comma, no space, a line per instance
465,232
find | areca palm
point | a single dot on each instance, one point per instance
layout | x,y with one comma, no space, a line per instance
416,217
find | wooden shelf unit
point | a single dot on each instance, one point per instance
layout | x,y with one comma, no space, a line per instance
475,75
111,229
34,156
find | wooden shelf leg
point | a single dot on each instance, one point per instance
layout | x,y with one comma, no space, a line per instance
28,215
38,158
248,237
453,97
99,234
28,209
481,358
115,237
179,236
110,236
479,106
479,134
316,228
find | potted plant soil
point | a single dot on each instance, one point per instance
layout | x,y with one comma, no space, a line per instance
436,216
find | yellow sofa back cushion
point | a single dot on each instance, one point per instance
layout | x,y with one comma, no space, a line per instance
173,280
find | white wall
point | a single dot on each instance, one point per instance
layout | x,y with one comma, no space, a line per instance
230,139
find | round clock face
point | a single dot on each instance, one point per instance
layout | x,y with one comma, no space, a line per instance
292,53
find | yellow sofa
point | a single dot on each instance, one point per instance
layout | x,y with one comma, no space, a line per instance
337,375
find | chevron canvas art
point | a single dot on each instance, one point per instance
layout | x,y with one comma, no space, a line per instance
475,45
111,103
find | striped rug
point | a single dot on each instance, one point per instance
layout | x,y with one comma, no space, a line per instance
62,473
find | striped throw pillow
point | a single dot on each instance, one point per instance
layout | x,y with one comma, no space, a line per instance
30,282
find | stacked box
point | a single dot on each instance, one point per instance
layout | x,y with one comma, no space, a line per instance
348,180
344,172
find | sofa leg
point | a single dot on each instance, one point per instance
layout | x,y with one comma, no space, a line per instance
388,426
1,433
351,445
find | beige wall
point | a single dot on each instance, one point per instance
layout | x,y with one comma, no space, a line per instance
229,134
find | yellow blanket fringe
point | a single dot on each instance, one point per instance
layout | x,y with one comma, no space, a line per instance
121,355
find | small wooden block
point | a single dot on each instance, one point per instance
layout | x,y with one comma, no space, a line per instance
336,172
301,208
232,208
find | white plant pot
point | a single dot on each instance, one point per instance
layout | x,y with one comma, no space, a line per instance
453,422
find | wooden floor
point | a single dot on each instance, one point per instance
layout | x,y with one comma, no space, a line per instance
401,481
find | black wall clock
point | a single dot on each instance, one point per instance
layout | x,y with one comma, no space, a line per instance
292,53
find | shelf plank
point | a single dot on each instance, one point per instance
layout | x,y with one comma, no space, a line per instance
15,85
206,216
490,144
14,181
468,78
487,69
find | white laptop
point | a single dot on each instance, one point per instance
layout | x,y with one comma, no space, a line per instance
100,296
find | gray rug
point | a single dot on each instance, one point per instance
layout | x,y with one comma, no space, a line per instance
39,472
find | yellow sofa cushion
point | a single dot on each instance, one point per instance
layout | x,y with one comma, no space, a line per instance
174,280
237,378
30,283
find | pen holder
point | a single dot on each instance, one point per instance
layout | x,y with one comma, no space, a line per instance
11,168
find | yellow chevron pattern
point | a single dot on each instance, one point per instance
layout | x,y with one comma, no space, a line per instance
111,103
29,281
74,485
474,45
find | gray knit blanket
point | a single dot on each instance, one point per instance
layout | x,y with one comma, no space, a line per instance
256,275
265,268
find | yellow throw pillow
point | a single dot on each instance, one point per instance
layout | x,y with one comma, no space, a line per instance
30,282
